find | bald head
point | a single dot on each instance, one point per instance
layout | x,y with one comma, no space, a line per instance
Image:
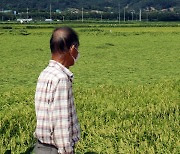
62,39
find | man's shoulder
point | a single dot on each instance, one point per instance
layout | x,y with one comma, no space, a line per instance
52,73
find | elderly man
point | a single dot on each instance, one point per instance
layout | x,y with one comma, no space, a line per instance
57,128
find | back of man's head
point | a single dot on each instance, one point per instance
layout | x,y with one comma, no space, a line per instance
62,39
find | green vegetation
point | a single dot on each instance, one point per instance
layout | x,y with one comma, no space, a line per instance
105,5
127,87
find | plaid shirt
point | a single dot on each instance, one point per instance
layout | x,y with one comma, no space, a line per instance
57,122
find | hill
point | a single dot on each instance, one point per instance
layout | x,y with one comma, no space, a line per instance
103,5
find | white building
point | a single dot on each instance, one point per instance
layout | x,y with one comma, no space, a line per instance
24,20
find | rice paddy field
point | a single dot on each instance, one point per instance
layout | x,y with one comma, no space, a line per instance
126,87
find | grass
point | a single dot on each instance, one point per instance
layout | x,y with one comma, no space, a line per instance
127,88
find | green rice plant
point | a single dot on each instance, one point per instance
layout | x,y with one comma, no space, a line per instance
126,87
114,119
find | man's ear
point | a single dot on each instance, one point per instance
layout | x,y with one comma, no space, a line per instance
72,47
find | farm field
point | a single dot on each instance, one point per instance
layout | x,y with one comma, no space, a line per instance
126,87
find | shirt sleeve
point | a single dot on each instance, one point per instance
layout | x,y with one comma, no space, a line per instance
61,118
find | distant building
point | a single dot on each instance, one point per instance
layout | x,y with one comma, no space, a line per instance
6,11
171,9
164,10
109,8
152,9
96,11
48,20
58,11
73,10
24,20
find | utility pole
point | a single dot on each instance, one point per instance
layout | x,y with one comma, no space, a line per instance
2,14
132,12
147,16
15,14
50,11
140,12
119,14
27,13
132,15
82,14
124,14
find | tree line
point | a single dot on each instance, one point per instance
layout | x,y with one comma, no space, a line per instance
103,5
152,10
124,16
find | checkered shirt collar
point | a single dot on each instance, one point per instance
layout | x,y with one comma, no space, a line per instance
53,63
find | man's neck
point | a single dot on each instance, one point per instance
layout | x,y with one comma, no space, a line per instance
59,60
